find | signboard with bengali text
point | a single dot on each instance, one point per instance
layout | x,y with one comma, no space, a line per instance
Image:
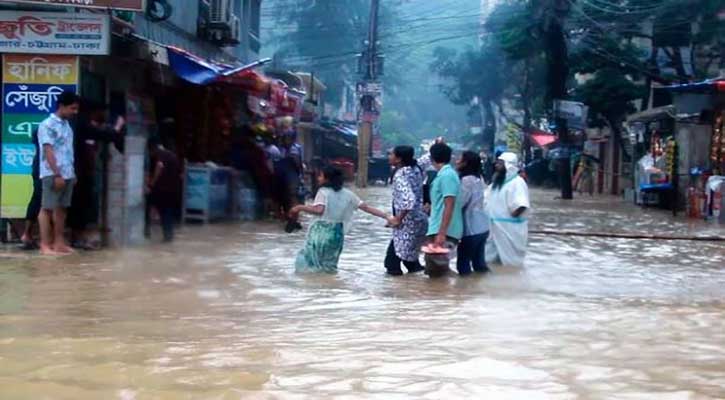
32,32
574,112
129,5
31,86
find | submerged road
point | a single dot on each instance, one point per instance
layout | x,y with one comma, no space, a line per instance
220,314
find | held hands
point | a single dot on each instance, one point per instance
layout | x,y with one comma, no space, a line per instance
120,123
393,222
294,213
440,239
58,183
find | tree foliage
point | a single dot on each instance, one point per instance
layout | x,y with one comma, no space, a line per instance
323,36
615,48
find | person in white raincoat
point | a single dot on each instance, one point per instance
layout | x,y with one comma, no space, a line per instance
507,205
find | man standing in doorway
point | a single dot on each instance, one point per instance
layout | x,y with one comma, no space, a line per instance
164,186
90,133
445,225
55,137
507,204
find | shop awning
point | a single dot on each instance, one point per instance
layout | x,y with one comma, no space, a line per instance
342,129
345,130
653,114
197,70
706,87
249,80
542,138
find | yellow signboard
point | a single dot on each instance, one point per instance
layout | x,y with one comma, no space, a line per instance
40,69
31,86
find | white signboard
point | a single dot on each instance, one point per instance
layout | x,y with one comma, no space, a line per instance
575,113
54,33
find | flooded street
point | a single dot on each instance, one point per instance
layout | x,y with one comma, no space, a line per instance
221,315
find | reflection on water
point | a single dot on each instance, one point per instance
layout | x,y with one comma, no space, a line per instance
221,315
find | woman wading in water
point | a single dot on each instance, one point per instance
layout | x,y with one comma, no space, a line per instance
411,222
334,207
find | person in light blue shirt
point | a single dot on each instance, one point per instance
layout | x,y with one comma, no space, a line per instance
445,225
446,220
57,173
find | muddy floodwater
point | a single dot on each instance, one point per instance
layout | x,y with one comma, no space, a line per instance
220,314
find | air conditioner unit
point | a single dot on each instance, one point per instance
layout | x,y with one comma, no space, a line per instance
220,12
235,35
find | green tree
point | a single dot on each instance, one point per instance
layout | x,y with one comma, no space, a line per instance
464,80
518,34
610,96
324,37
395,130
668,25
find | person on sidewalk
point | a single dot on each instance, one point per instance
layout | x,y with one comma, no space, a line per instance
33,209
445,225
472,249
334,207
85,203
507,205
164,187
411,222
583,181
55,138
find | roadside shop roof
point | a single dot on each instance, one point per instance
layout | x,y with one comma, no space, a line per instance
199,71
710,86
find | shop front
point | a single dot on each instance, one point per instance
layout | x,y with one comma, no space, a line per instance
680,150
656,173
42,56
701,122
207,117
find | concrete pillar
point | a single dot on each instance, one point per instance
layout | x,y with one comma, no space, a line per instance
126,202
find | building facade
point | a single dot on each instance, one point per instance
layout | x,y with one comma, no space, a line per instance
119,53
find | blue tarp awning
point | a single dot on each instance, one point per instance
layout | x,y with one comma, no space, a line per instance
193,69
346,130
203,72
707,87
343,129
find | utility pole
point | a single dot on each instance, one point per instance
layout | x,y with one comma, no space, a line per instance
558,73
721,43
368,90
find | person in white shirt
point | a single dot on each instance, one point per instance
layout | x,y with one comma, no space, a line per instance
471,250
57,173
508,205
334,207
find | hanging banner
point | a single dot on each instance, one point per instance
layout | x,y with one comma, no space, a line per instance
128,5
32,32
31,86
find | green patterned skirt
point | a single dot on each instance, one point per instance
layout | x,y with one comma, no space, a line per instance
322,248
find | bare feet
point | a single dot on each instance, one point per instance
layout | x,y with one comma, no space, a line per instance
47,251
63,250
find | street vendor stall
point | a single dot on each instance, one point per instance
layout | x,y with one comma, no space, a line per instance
206,192
700,119
656,149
